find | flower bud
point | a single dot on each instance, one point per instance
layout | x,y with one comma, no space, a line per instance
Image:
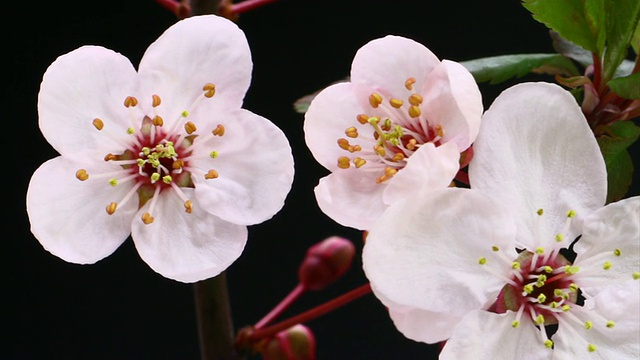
295,343
326,262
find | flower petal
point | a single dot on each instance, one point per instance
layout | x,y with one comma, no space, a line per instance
255,168
430,167
68,217
193,52
610,237
87,83
618,305
536,151
386,63
424,252
485,335
452,100
186,247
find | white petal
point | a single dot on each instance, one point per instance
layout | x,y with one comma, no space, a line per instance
452,100
255,168
351,199
386,63
485,335
87,83
193,52
613,229
424,252
186,247
430,167
68,216
536,151
622,341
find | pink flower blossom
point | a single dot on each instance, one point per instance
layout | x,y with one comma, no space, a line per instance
399,124
165,153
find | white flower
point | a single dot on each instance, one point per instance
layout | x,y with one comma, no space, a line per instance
165,154
487,268
400,123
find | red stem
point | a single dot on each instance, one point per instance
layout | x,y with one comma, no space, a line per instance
597,73
170,5
311,314
249,5
281,307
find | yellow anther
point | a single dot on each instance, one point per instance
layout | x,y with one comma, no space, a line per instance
82,175
482,261
542,278
109,157
351,132
155,177
379,149
414,111
343,143
167,179
184,113
398,157
610,324
539,320
636,275
157,121
188,206
553,305
415,99
373,120
439,130
178,164
540,251
588,325
571,213
389,171
130,101
571,269
211,174
131,131
607,265
396,103
548,269
548,344
573,287
540,212
209,90
111,208
411,144
528,289
155,100
515,265
542,298
359,162
214,154
386,125
375,100
354,148
617,252
409,83
591,348
147,218
343,162
559,237
566,308
495,248
362,119
98,123
515,324
190,127
113,181
218,131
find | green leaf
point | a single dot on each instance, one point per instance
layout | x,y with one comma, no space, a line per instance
621,22
627,87
579,21
500,68
635,39
613,146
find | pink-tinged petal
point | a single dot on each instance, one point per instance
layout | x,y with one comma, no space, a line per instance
193,52
483,335
88,83
68,216
430,167
609,249
386,63
350,199
186,247
614,316
404,255
255,168
534,151
330,113
452,100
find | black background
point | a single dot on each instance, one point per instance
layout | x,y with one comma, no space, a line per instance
119,308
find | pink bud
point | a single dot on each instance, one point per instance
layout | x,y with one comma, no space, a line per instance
326,262
295,343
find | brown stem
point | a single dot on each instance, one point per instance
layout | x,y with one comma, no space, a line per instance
204,7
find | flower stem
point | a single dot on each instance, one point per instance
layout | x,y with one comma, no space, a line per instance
213,313
248,5
311,314
205,7
281,307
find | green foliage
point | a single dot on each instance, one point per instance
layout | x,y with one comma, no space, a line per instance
614,146
500,68
627,87
621,22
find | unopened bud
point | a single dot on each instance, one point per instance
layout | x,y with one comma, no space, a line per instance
295,343
326,262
